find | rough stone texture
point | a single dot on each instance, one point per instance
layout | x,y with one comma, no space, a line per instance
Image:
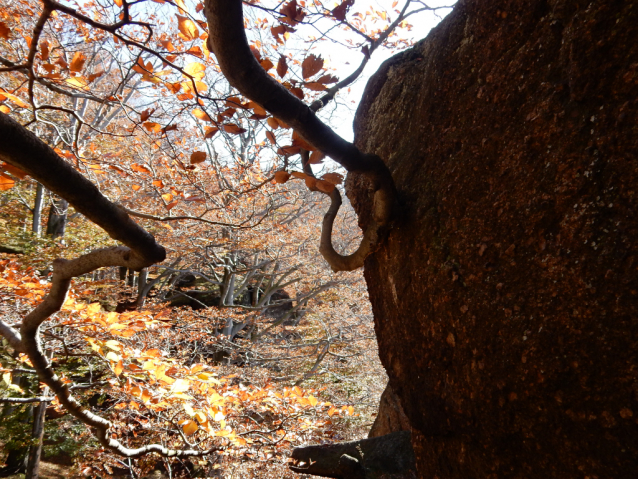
390,417
506,294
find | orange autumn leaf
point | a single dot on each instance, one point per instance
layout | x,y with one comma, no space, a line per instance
201,115
187,28
77,63
6,182
15,171
140,168
271,137
266,64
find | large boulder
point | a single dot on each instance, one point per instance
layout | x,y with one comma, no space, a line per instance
506,294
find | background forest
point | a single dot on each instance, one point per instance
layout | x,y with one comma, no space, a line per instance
243,343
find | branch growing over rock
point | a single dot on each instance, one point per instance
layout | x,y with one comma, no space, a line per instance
227,40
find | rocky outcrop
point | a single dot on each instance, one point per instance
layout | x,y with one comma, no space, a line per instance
390,416
506,293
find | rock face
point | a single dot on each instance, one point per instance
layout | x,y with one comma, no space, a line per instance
390,417
506,293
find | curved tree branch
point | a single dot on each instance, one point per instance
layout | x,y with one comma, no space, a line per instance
21,148
227,40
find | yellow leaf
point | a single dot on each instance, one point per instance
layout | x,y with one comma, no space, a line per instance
188,29
167,197
111,356
196,70
180,386
201,417
202,115
312,400
78,82
188,409
119,367
113,344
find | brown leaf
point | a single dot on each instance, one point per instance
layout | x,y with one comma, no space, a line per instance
281,177
292,12
315,86
233,128
257,108
328,79
187,28
311,182
334,178
325,186
44,50
198,157
169,128
298,92
77,63
95,75
298,140
316,158
271,137
146,114
311,65
289,150
272,123
340,12
233,102
4,31
282,67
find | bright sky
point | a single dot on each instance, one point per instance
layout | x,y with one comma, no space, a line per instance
421,23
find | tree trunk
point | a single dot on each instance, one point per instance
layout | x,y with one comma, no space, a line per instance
35,451
505,296
56,225
36,226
